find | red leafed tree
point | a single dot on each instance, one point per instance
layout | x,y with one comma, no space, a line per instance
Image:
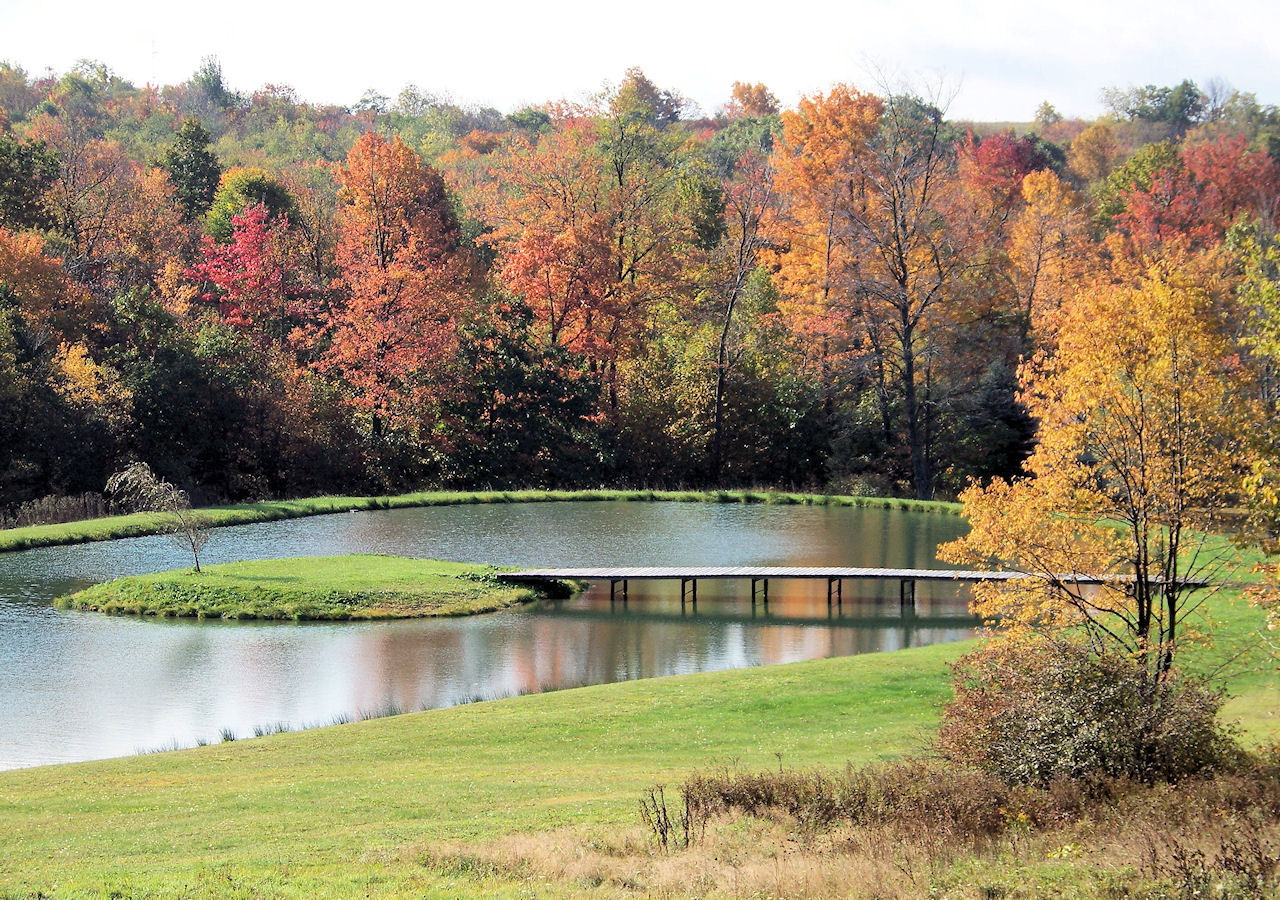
997,164
1198,198
1232,178
404,283
257,279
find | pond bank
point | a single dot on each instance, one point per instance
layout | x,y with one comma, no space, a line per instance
141,524
326,588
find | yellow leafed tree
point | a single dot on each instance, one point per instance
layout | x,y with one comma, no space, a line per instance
1045,255
1141,415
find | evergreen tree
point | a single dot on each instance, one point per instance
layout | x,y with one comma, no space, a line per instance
27,169
193,168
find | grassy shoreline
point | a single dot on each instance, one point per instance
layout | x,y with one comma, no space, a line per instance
321,588
142,524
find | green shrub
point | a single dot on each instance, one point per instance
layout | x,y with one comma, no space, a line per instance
1038,711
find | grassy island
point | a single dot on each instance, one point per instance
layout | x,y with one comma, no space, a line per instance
314,588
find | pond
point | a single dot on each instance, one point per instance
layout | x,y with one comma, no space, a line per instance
79,685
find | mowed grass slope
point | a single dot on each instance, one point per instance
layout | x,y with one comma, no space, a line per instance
139,524
365,586
347,810
329,812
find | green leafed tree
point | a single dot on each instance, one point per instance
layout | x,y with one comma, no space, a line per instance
193,168
529,409
239,189
1178,107
27,170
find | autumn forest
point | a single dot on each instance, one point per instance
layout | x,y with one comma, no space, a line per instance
265,297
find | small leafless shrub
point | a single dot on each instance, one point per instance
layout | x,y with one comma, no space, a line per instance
141,490
686,830
1245,866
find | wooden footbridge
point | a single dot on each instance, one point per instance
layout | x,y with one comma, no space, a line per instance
760,575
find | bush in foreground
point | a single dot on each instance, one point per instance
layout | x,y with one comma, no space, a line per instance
1043,710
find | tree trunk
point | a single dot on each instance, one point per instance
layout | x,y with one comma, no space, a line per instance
921,476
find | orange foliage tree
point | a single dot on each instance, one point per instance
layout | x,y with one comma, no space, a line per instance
403,284
47,300
880,234
590,221
1046,252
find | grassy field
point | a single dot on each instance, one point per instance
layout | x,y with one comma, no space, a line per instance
359,810
270,510
331,812
328,587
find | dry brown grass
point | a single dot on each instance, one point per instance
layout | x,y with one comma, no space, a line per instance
756,859
1203,839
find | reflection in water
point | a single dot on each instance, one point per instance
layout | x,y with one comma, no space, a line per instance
81,686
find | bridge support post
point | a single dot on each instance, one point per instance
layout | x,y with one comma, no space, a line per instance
613,586
907,595
838,584
624,592
689,590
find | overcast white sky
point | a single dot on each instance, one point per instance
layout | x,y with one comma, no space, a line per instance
1003,57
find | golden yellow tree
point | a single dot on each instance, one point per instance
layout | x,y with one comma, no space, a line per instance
1141,418
819,170
1093,153
1045,253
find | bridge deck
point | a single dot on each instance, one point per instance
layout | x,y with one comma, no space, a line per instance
682,573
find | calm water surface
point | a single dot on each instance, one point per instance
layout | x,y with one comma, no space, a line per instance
77,686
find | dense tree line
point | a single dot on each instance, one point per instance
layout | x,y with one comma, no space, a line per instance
259,296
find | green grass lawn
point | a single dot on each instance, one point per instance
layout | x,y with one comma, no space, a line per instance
343,811
328,587
317,812
270,510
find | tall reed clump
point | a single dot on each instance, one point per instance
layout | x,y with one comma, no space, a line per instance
56,510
